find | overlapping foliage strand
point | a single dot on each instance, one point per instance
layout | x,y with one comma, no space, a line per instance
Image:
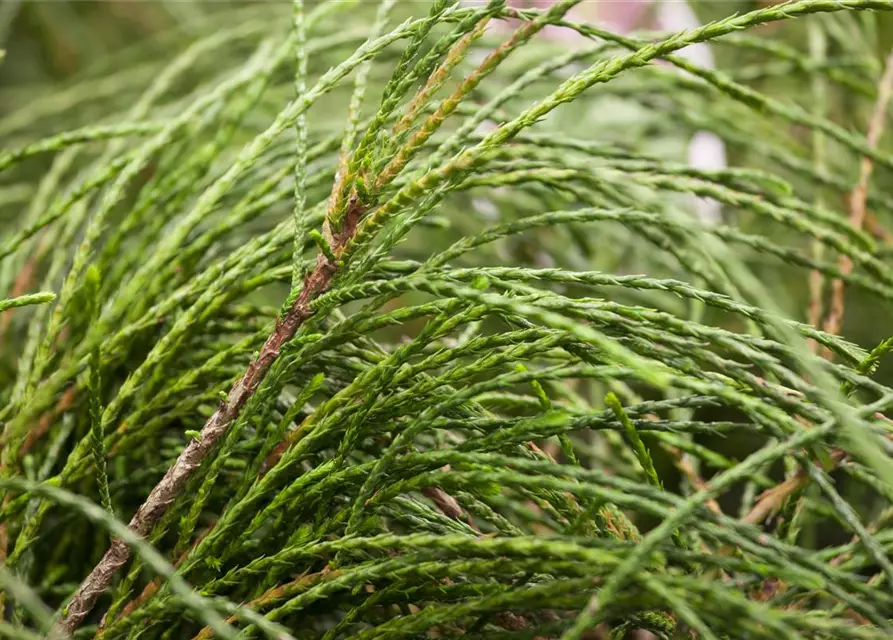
396,320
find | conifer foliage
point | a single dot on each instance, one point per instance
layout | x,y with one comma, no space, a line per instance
396,319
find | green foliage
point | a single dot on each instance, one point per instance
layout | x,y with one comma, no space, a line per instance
398,319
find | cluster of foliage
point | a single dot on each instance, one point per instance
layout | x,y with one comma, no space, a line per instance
396,319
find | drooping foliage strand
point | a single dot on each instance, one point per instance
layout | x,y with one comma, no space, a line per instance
400,319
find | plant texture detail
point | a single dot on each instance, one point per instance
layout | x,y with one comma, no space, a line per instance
374,319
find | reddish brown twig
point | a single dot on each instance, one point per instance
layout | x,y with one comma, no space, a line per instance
316,283
66,402
815,309
278,592
149,590
43,425
448,506
173,482
686,468
859,195
20,286
773,499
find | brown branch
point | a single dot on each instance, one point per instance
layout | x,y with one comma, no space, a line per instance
173,482
20,286
876,229
448,506
66,402
148,591
26,277
43,425
287,325
278,592
773,499
686,468
815,310
859,195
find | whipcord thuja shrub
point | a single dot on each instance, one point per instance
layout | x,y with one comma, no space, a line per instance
376,321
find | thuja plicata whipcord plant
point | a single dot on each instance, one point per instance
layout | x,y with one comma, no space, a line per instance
402,319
